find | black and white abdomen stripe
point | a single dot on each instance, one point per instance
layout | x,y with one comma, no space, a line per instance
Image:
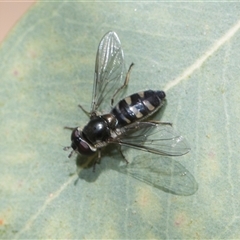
137,106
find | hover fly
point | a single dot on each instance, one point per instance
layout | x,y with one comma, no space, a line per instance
126,122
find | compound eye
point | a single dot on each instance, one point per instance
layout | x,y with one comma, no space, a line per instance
84,148
80,144
75,134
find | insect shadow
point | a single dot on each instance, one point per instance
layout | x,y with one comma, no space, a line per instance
162,173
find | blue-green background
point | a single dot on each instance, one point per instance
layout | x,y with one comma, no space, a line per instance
46,70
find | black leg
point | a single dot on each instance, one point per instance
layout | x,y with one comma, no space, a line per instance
69,128
98,161
158,122
120,150
84,110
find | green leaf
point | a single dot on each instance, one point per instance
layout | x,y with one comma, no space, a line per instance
191,50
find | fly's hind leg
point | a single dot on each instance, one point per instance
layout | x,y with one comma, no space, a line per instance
98,161
158,122
120,150
124,84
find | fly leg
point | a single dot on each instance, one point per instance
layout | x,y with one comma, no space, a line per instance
69,128
69,147
66,149
99,156
124,84
89,114
158,122
84,110
120,150
98,161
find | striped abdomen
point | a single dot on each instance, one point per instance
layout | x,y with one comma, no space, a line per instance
137,106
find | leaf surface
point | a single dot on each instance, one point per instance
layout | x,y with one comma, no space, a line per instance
191,50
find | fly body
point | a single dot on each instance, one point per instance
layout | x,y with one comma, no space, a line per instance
126,123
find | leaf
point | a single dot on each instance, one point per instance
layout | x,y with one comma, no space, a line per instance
191,50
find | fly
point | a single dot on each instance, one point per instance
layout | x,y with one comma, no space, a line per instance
126,124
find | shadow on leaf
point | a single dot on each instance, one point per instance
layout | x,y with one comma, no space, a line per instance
163,173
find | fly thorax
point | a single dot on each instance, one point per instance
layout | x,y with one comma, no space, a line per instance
96,130
111,120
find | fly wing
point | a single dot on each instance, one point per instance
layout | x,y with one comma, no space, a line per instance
155,137
109,68
167,175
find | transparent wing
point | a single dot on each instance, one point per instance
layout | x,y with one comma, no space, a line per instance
167,175
109,68
155,137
